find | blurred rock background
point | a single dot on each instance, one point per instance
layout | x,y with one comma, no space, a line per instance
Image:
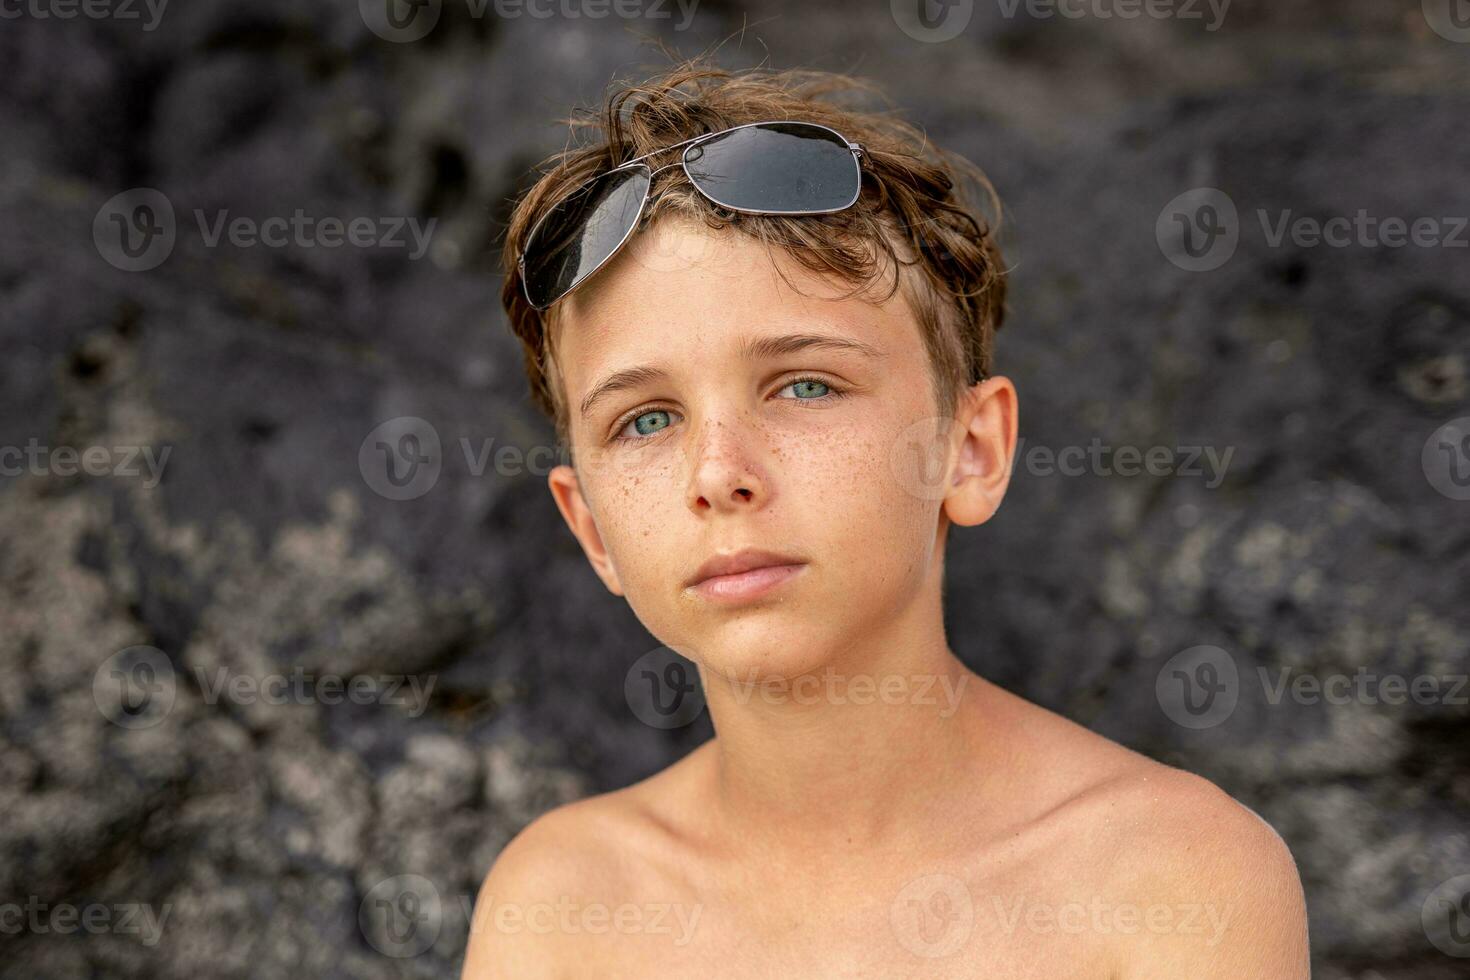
1331,543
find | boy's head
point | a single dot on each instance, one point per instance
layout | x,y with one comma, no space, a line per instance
890,427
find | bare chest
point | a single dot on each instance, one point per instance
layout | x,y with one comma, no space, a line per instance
954,922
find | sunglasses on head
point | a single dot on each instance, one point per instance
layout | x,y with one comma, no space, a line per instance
776,167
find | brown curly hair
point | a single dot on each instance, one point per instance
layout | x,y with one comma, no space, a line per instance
912,215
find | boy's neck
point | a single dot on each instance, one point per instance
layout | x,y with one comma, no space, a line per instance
875,750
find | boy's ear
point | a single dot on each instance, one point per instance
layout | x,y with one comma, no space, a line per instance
567,492
986,419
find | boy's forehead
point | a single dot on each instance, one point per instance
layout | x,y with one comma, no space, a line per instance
679,288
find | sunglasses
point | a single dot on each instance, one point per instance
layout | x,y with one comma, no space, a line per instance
776,167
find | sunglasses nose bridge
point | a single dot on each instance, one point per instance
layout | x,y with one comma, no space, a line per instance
667,166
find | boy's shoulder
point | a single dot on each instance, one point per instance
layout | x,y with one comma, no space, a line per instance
1163,848
592,856
1133,807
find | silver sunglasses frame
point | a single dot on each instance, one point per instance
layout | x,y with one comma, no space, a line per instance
856,149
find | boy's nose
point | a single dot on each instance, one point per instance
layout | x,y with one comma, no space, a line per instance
726,473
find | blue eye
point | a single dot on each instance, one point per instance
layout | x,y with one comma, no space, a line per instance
808,385
650,422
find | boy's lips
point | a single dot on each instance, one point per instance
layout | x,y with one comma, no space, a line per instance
744,574
747,585
738,562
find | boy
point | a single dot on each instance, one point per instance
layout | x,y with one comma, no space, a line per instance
763,323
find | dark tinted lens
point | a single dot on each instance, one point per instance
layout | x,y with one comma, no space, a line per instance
786,168
578,235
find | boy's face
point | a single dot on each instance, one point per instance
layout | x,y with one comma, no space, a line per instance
724,451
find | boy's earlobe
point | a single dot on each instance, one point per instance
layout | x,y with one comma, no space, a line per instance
566,490
988,420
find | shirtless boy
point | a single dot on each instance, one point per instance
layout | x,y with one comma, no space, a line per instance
770,446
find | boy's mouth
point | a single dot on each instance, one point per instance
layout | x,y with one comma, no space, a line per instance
743,574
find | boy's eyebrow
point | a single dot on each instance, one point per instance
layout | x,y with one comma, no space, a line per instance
759,348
